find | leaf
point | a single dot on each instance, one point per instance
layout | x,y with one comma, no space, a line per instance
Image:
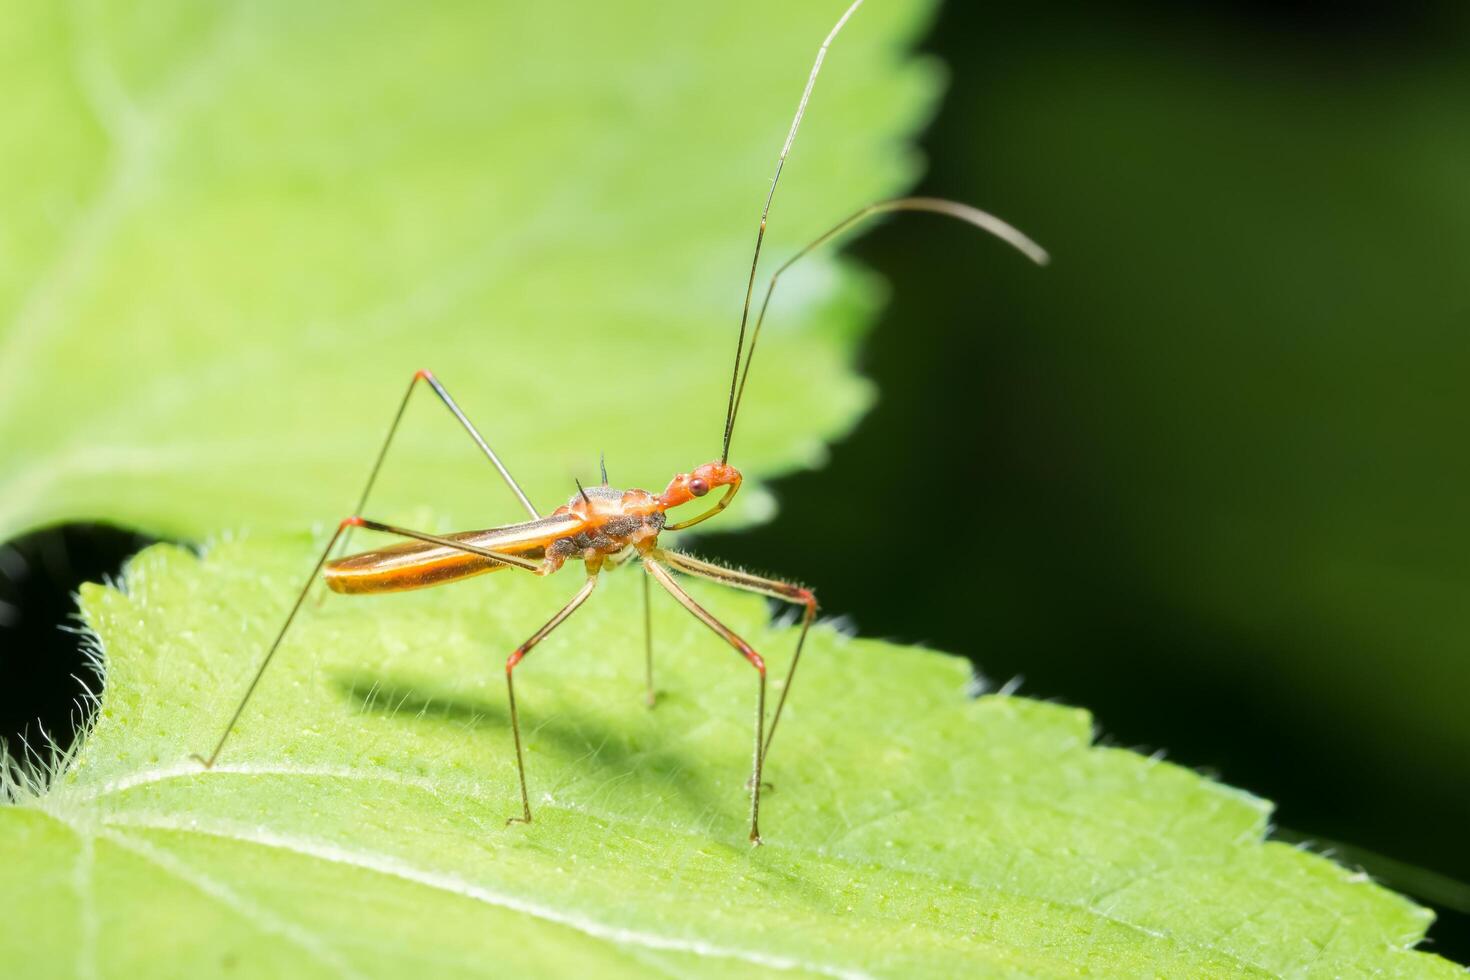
355,827
232,232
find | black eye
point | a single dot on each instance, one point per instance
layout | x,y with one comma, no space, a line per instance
698,487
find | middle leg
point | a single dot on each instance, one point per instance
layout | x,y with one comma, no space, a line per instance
649,697
654,567
515,658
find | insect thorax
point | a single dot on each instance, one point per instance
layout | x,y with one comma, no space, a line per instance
616,520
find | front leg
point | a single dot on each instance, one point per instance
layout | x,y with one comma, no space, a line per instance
772,588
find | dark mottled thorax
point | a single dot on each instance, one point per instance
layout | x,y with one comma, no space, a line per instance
615,521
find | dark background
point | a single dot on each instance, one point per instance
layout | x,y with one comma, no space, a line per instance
1207,475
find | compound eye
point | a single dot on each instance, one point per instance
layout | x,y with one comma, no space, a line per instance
698,487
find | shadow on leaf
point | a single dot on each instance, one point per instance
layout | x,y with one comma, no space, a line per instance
586,749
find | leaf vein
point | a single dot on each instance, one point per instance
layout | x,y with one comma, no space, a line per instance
393,867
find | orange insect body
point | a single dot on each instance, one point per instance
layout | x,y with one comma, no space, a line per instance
596,524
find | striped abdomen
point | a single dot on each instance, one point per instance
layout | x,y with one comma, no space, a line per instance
419,564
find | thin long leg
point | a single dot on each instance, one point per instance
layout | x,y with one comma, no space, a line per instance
784,591
342,528
516,657
657,570
428,378
649,696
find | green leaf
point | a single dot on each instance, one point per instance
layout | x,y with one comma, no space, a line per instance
232,232
355,827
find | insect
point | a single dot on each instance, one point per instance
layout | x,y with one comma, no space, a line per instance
602,527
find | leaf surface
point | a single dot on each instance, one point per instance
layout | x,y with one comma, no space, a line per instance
355,826
234,232
238,232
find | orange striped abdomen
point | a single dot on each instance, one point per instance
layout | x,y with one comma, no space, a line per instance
421,564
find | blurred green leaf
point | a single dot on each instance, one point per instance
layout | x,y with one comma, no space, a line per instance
355,827
232,232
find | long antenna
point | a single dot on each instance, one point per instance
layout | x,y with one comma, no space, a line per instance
933,205
760,235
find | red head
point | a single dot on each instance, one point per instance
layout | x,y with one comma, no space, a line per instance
686,486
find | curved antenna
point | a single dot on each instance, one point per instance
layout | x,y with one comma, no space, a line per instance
760,234
933,205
